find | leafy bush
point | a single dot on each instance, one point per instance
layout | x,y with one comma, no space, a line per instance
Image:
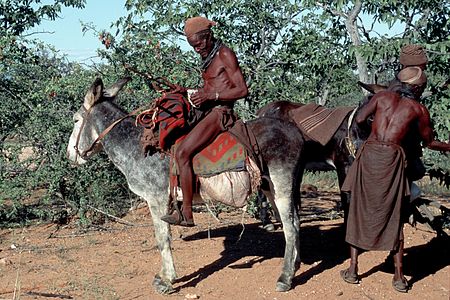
47,92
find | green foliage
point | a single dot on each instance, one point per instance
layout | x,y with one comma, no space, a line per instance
419,22
260,33
325,181
39,93
17,16
46,130
40,121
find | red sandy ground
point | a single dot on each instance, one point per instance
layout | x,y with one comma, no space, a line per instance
234,259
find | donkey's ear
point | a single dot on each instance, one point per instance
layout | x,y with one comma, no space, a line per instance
372,88
113,90
94,94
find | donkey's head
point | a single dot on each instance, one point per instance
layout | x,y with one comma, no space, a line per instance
84,133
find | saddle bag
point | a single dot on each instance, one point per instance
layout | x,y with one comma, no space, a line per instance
231,188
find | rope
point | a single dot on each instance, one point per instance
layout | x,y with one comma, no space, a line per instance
348,139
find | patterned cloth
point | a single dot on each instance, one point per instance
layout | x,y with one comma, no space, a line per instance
224,154
168,121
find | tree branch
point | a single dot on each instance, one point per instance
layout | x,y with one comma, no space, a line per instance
36,32
352,29
6,89
332,11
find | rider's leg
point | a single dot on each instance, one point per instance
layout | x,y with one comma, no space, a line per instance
197,139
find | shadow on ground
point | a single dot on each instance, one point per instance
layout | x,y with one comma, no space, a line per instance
324,249
262,245
419,261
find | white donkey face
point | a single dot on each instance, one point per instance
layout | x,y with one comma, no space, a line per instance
81,138
71,153
83,133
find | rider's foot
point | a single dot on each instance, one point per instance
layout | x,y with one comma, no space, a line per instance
179,219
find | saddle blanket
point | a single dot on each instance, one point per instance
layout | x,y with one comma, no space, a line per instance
225,153
164,121
317,122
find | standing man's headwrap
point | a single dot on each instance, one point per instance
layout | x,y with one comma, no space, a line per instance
413,55
197,24
412,75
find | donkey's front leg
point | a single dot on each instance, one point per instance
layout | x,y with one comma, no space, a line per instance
291,229
162,282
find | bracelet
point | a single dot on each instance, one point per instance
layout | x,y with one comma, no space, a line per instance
217,96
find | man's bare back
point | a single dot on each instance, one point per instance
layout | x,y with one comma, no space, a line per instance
393,115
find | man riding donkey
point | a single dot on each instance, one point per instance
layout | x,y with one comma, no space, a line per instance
377,179
212,111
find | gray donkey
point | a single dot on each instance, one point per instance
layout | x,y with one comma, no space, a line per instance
147,176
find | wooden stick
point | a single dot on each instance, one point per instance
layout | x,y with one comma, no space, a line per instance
119,220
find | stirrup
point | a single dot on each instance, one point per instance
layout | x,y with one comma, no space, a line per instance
176,217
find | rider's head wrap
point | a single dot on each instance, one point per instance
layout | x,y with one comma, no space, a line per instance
197,24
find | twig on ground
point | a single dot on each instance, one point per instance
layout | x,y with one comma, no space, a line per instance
16,294
70,235
118,220
49,295
29,291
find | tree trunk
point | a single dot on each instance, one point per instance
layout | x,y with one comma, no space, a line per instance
323,98
352,29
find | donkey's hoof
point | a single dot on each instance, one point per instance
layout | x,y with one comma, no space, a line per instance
161,286
283,287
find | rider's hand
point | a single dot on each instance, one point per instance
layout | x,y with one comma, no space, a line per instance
201,96
178,89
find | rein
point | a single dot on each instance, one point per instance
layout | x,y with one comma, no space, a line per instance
85,153
157,84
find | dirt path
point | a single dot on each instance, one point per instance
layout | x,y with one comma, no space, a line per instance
214,261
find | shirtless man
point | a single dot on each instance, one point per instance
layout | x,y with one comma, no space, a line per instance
377,178
213,112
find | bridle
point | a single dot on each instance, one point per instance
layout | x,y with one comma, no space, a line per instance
157,84
85,154
353,138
